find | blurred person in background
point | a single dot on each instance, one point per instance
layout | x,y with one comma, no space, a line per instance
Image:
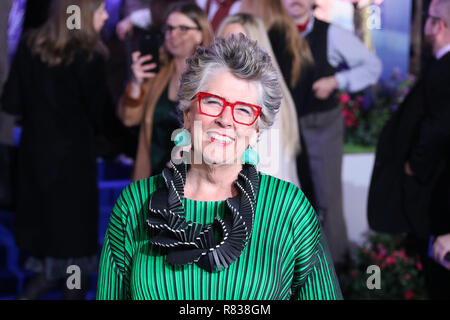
143,15
136,13
5,8
6,120
36,14
140,13
295,60
410,185
217,10
150,99
57,85
321,122
428,165
281,143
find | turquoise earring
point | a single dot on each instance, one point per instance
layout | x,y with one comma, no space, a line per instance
183,138
250,156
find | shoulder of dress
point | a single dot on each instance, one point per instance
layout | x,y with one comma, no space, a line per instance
282,186
285,198
147,185
138,192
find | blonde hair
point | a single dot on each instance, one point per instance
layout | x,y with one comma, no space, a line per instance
274,15
255,29
55,43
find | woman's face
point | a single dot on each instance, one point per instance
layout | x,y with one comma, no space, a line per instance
182,35
233,28
221,140
100,17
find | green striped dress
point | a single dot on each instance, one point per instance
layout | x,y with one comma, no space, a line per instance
285,258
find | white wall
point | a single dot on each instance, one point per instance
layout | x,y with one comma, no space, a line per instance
356,174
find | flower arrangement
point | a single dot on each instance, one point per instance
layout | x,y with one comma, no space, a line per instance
401,274
365,113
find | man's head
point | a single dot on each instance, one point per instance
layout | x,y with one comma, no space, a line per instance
437,25
299,9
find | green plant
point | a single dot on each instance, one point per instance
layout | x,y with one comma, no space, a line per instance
365,113
400,271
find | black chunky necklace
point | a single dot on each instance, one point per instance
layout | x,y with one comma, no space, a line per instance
189,242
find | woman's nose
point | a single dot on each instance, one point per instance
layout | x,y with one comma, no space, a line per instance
226,118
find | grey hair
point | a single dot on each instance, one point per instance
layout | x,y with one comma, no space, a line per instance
244,59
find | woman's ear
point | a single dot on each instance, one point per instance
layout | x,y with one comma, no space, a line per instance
254,137
199,38
187,115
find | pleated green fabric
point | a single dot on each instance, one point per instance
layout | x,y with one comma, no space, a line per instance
286,258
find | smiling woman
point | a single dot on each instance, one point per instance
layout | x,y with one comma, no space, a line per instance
225,132
218,229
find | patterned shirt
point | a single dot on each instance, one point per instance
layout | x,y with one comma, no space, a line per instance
285,258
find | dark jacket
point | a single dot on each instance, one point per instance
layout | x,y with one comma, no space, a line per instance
301,93
419,132
60,107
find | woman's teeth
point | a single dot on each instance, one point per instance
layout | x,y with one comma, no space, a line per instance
221,138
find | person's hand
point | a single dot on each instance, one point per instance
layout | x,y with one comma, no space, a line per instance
408,170
140,69
324,87
441,247
123,27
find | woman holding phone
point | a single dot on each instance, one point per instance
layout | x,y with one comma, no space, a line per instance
150,98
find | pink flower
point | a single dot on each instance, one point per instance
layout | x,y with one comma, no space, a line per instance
382,249
409,294
390,260
356,106
403,255
344,98
407,276
380,257
350,120
419,266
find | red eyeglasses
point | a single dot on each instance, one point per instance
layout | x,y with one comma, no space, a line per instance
213,106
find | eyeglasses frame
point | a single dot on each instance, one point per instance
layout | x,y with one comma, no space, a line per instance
167,27
201,94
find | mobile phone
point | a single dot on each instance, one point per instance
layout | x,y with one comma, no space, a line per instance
149,44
